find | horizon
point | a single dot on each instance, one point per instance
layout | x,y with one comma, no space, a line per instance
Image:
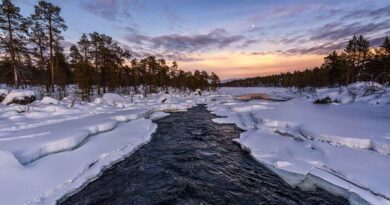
233,39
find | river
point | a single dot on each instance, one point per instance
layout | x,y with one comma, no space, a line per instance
191,160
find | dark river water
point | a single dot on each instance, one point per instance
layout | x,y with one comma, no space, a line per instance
191,160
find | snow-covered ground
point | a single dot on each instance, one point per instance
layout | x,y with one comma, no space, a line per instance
50,148
346,143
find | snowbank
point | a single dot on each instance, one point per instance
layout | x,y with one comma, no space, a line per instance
114,100
342,147
19,97
368,92
50,148
49,100
3,93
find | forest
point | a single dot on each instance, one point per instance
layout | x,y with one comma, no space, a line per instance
32,54
357,62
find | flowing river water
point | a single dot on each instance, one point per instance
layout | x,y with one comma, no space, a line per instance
191,160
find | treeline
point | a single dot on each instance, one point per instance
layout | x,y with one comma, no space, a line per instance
357,62
32,54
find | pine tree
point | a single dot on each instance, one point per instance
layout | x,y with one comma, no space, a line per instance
215,81
334,66
351,50
385,47
39,43
82,70
12,25
363,52
49,16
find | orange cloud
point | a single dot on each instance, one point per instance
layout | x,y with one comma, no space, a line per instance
235,65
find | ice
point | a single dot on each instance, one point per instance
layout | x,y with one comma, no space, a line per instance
246,108
158,115
353,141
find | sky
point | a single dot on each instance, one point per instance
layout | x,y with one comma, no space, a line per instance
233,38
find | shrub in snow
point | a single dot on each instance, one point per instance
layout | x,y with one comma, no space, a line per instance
356,92
21,97
3,93
365,88
164,98
49,100
198,92
325,100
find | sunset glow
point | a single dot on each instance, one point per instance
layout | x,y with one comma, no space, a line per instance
232,38
246,65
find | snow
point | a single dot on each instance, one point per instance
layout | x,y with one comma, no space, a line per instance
3,92
50,148
369,92
114,100
342,147
49,100
17,94
158,115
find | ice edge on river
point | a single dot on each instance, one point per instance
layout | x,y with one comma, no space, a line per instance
311,181
328,180
73,186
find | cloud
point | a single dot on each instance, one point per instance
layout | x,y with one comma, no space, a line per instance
142,52
113,10
323,49
377,41
284,12
369,13
215,39
260,53
326,48
338,31
173,17
130,29
248,42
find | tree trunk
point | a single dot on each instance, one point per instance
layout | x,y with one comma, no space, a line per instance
12,50
51,53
